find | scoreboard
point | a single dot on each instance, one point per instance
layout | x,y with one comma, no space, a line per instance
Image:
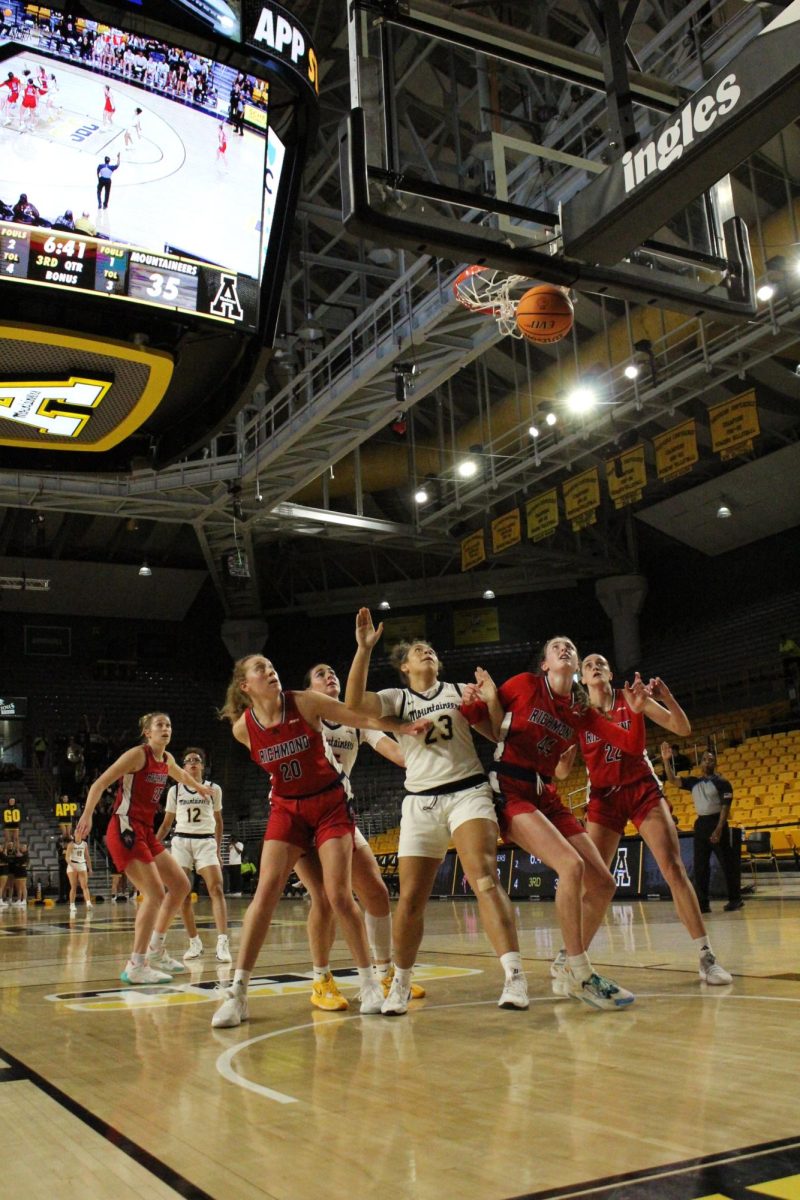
73,261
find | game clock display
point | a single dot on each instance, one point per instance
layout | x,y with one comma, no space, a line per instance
31,254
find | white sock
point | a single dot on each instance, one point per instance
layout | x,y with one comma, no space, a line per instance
320,973
703,944
157,942
403,976
579,965
511,962
379,935
366,975
241,979
138,960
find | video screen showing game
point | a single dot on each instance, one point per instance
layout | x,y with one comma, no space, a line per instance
132,167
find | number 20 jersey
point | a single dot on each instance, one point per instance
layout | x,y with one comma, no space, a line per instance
294,754
446,753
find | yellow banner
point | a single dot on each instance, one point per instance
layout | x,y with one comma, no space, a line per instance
626,476
506,531
541,515
582,498
404,629
473,625
734,424
676,451
473,550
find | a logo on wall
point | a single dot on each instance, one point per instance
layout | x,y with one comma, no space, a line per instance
58,408
622,876
226,302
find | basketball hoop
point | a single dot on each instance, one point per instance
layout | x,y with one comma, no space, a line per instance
483,290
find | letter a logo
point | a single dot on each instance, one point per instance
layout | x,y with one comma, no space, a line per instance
226,302
622,876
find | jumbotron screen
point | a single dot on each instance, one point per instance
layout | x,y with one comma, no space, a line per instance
133,168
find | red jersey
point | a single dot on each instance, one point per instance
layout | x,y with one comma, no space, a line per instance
13,88
539,726
294,754
31,96
607,765
140,791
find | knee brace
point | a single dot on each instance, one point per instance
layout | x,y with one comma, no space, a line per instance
485,883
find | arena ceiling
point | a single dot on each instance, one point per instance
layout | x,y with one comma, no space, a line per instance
312,484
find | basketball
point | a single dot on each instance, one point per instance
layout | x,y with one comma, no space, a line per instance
544,314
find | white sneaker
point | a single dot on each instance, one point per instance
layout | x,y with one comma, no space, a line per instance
598,991
73,911
143,974
195,949
162,962
515,991
711,972
89,904
396,1003
371,997
3,903
233,1011
223,949
558,975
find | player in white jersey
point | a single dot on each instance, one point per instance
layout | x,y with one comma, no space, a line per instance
196,847
368,884
79,867
448,796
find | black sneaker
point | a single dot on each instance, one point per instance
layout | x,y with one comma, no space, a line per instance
705,908
733,905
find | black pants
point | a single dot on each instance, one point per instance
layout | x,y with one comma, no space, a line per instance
235,878
103,192
728,852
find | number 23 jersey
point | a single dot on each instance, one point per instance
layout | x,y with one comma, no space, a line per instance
194,813
446,753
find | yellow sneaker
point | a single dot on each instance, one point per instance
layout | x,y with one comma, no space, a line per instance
417,990
325,994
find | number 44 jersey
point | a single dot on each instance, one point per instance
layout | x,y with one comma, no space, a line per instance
446,753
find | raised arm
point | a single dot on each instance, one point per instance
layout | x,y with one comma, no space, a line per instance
389,748
663,708
176,772
669,766
317,705
356,694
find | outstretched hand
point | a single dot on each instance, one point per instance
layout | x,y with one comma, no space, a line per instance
367,636
636,694
666,752
659,690
484,688
412,728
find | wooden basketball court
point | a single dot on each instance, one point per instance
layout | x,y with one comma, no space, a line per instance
456,1099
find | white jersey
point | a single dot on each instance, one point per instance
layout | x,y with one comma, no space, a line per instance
194,814
446,753
344,741
76,856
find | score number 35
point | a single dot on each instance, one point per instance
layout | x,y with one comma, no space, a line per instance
163,287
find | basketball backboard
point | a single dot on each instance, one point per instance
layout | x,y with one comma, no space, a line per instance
488,145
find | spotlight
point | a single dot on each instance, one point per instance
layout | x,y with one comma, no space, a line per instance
488,594
582,399
550,419
468,469
533,431
632,371
765,292
384,606
724,511
421,496
144,570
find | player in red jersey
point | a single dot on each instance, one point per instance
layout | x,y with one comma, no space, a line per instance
624,787
142,773
10,97
310,806
536,721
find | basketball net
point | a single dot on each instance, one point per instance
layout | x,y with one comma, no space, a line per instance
483,290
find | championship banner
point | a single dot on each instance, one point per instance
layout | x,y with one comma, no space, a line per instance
473,550
541,515
676,451
734,424
626,476
582,498
411,628
474,625
506,531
